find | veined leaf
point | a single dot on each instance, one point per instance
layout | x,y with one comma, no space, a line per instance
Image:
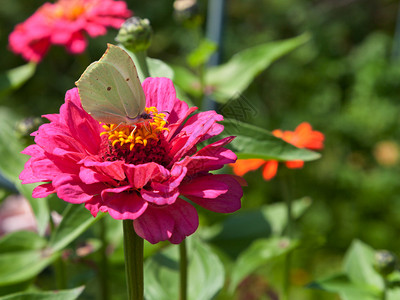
235,76
255,142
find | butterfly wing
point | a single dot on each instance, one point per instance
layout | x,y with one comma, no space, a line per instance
110,89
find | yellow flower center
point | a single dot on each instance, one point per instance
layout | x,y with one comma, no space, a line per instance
68,9
129,135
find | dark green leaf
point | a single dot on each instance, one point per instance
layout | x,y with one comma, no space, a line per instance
49,295
76,219
206,273
256,142
14,78
258,254
235,76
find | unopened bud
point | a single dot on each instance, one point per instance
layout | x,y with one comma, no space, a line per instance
386,262
135,34
186,10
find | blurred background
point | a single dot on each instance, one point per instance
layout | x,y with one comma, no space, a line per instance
344,82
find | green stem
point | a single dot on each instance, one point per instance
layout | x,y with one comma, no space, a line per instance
141,60
61,277
183,270
133,250
105,294
385,289
290,231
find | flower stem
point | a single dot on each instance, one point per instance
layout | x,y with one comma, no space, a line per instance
142,63
61,276
290,228
105,294
183,264
133,250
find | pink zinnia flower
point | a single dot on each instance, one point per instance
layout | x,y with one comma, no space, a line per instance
65,23
141,174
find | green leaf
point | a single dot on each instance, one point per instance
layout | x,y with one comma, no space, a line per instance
49,295
235,76
341,284
205,273
276,214
187,81
359,263
158,68
258,254
21,240
20,259
14,78
393,294
256,142
12,163
76,219
201,54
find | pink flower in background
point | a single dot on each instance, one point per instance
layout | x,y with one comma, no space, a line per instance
65,23
137,175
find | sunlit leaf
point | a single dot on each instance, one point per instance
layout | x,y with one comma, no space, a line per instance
76,219
205,273
256,142
14,78
359,263
49,295
234,77
341,284
259,254
201,54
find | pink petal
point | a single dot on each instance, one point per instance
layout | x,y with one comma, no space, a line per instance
219,193
140,175
93,205
160,92
155,224
123,205
186,220
198,128
71,189
42,191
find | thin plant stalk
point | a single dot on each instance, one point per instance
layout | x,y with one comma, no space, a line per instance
183,266
142,63
289,233
104,269
133,251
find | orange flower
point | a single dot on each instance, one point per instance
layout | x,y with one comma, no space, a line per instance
302,137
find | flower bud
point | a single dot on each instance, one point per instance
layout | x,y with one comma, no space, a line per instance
187,11
135,34
386,262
